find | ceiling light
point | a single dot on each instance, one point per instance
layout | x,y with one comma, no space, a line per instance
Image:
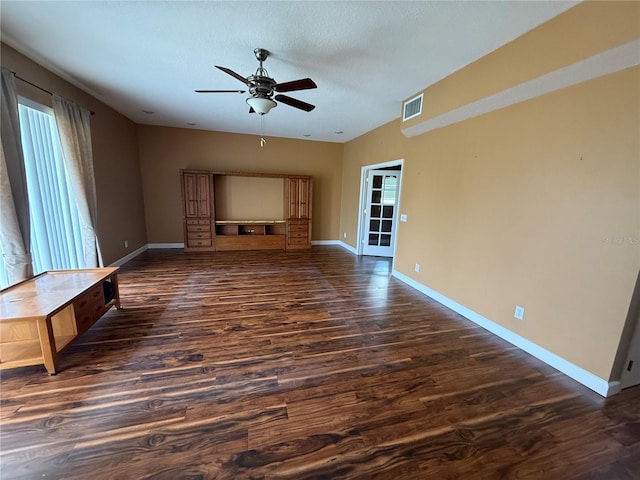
338,132
261,105
306,134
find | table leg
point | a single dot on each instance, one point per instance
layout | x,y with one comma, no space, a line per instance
47,344
114,283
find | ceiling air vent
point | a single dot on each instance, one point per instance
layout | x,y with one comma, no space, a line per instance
412,108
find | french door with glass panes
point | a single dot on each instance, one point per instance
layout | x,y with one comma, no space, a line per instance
381,212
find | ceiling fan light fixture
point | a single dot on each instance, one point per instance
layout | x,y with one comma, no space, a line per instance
261,105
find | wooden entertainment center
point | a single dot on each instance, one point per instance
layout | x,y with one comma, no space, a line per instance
286,227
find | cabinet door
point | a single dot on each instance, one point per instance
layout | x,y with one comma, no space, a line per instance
203,186
189,185
197,197
292,195
304,190
299,197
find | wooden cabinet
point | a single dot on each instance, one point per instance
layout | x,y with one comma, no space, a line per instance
298,203
204,232
299,197
42,315
198,209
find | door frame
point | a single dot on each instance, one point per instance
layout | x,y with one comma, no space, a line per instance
629,346
364,173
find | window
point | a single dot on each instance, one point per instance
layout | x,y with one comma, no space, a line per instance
56,241
389,187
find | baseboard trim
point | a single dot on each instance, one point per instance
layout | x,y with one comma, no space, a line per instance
131,256
614,388
166,245
324,242
348,247
588,379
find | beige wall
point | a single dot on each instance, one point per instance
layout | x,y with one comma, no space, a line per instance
594,26
537,204
115,156
164,151
235,198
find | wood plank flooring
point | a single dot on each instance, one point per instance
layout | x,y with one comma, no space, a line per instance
308,365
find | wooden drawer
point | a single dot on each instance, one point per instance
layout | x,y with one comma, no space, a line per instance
199,243
250,242
198,236
198,228
304,233
298,221
298,228
88,307
198,221
298,240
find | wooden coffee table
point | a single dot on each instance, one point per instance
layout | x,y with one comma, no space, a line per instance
39,317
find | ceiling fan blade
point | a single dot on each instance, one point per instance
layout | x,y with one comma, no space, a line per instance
292,102
302,84
220,91
234,75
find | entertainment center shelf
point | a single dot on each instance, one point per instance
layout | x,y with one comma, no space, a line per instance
250,234
250,227
212,199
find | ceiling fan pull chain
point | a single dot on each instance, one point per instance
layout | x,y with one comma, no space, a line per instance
262,139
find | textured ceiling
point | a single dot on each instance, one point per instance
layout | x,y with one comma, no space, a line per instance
366,57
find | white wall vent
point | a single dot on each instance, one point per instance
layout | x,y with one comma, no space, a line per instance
412,108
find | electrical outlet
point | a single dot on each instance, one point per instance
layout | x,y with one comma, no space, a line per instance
344,235
403,217
519,313
417,267
126,244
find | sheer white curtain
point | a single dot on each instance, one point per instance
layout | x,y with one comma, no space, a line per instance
14,204
75,137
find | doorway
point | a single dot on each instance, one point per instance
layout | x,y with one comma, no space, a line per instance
631,367
379,207
631,371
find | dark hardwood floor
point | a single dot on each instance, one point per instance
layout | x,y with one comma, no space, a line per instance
310,365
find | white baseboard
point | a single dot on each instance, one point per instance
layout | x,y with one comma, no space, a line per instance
132,255
166,245
614,388
348,247
135,253
588,379
324,242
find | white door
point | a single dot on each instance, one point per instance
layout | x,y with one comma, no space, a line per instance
631,370
381,212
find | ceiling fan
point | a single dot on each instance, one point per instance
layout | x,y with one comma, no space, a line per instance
262,88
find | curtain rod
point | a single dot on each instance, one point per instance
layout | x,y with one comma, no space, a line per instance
39,87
